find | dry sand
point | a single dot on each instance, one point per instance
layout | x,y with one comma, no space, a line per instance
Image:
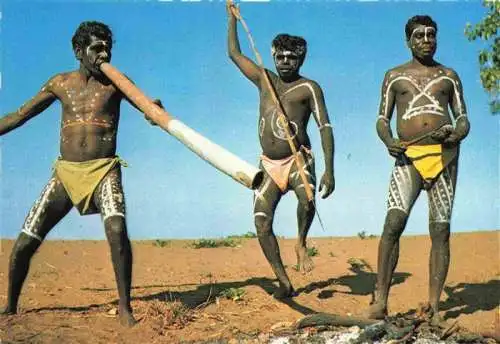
71,289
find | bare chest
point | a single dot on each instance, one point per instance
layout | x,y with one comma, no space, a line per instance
94,104
418,94
294,100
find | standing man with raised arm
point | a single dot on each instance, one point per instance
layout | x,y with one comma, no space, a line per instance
299,97
422,91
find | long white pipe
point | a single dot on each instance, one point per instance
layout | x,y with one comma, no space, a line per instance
217,156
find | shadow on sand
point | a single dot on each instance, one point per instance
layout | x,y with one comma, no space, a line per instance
361,283
468,298
190,298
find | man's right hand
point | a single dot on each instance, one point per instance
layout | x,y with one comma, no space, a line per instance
232,9
395,148
442,133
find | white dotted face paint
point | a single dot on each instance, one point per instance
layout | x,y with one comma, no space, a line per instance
287,62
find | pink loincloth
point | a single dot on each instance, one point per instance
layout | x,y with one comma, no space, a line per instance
278,170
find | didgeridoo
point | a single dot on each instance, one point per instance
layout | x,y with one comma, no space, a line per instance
217,156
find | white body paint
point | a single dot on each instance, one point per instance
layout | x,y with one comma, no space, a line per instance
431,108
279,131
259,194
426,31
315,99
262,125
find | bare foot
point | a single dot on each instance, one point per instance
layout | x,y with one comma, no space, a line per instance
376,311
284,292
437,320
304,262
126,317
7,311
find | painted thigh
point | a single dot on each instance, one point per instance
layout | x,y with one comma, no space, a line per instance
442,194
295,181
265,199
52,205
404,187
109,197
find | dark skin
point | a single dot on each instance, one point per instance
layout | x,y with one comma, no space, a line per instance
299,97
422,91
89,123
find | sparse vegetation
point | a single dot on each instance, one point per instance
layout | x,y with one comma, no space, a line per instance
312,251
359,264
247,235
235,294
362,235
213,243
331,254
161,243
165,315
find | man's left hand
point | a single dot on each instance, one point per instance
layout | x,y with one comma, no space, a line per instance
327,184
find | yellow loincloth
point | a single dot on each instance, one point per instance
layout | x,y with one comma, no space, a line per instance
430,160
80,179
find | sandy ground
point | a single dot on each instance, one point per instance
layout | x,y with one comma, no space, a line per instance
70,292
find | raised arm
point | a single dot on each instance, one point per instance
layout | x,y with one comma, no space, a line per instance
318,107
30,109
247,66
457,106
386,108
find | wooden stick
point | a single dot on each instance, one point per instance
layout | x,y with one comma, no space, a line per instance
281,113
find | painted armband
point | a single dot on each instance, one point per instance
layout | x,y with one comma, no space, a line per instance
383,118
461,116
325,125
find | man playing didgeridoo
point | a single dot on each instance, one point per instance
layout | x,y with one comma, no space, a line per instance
422,91
299,97
87,175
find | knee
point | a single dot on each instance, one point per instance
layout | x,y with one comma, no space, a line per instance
25,247
115,227
395,222
263,224
306,206
440,232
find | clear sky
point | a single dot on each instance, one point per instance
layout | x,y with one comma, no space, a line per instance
176,51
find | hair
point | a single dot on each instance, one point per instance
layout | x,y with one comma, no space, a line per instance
296,44
86,29
418,20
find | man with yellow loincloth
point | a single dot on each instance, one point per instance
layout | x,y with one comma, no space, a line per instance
88,174
422,91
299,98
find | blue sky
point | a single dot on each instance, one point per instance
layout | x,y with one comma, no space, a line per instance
176,51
